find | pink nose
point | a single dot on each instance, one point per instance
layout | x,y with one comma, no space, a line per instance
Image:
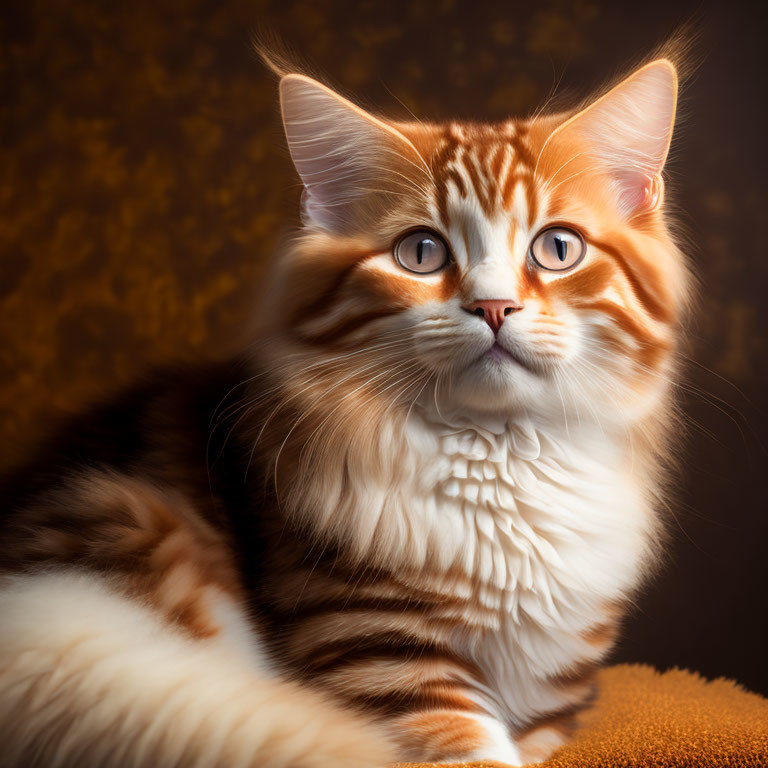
493,311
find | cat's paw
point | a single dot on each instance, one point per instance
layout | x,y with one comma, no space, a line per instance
443,736
499,747
539,744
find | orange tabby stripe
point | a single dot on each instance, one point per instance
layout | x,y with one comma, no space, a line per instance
649,277
147,538
441,734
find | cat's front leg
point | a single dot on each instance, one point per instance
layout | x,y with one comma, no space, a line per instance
450,735
429,700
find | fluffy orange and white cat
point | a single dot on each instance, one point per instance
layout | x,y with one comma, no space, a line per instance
405,526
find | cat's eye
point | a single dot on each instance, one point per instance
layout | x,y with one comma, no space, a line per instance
421,251
557,249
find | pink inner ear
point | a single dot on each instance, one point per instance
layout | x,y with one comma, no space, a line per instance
650,196
640,193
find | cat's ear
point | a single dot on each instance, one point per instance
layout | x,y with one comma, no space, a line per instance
629,129
341,152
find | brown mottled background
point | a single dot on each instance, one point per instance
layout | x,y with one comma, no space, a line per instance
143,182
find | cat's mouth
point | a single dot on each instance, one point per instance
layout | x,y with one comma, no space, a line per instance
502,354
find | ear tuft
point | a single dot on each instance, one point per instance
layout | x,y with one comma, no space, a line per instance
276,55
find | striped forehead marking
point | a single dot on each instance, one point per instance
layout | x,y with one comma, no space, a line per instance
489,163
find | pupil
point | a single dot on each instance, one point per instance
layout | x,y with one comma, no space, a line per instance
561,246
420,250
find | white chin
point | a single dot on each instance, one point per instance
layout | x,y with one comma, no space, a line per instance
494,385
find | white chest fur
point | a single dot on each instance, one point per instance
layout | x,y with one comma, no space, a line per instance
535,529
547,527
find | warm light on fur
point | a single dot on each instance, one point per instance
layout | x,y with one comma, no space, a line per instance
434,523
520,493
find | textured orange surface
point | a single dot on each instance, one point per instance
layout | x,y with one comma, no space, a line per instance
646,719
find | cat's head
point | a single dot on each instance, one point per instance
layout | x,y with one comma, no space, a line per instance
523,265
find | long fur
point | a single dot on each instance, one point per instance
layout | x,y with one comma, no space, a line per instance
89,678
432,517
